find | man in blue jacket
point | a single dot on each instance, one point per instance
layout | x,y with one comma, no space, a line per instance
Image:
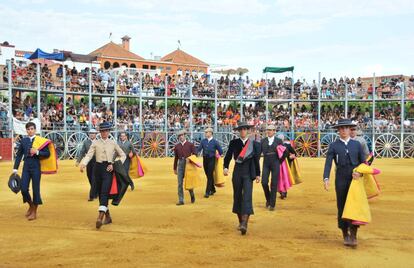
31,170
347,154
209,146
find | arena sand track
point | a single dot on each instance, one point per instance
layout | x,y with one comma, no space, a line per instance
150,231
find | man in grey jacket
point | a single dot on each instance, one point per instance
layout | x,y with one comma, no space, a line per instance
129,151
93,192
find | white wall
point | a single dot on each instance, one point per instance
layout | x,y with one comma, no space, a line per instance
6,53
81,65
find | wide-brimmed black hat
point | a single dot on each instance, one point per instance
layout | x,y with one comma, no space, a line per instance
105,126
242,125
15,183
344,123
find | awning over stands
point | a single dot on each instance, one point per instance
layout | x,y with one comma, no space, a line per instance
40,54
278,69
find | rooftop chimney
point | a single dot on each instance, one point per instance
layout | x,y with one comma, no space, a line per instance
125,42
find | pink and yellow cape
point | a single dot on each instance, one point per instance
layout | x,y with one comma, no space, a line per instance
285,176
137,169
48,165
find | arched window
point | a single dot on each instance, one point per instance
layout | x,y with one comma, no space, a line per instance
107,65
133,65
115,65
124,64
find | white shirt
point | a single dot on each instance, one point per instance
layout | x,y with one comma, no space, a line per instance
210,139
345,141
182,143
271,139
244,140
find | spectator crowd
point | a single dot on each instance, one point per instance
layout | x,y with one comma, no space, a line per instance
154,87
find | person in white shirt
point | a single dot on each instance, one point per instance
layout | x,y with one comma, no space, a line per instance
271,165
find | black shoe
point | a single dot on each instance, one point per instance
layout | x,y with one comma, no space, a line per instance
243,228
192,199
180,203
206,196
90,199
267,204
271,208
212,192
132,186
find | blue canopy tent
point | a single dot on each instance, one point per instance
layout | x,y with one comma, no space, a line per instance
40,54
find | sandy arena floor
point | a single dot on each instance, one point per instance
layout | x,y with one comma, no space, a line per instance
150,231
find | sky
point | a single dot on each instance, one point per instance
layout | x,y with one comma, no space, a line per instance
336,38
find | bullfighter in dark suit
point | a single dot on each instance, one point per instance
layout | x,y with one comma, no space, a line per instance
347,154
246,153
31,170
271,165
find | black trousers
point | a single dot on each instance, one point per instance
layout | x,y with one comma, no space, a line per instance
103,183
31,172
93,192
242,189
343,180
271,166
209,165
127,164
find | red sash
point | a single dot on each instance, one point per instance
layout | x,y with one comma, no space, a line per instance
243,152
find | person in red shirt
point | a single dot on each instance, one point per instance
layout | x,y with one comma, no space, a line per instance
182,150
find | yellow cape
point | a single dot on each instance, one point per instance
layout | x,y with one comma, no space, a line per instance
137,169
296,177
193,173
356,205
289,171
49,164
219,179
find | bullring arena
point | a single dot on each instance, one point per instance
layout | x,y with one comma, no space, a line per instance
282,84
149,230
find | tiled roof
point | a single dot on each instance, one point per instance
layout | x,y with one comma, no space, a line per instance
116,51
179,56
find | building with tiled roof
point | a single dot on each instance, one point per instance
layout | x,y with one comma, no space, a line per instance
180,57
113,55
